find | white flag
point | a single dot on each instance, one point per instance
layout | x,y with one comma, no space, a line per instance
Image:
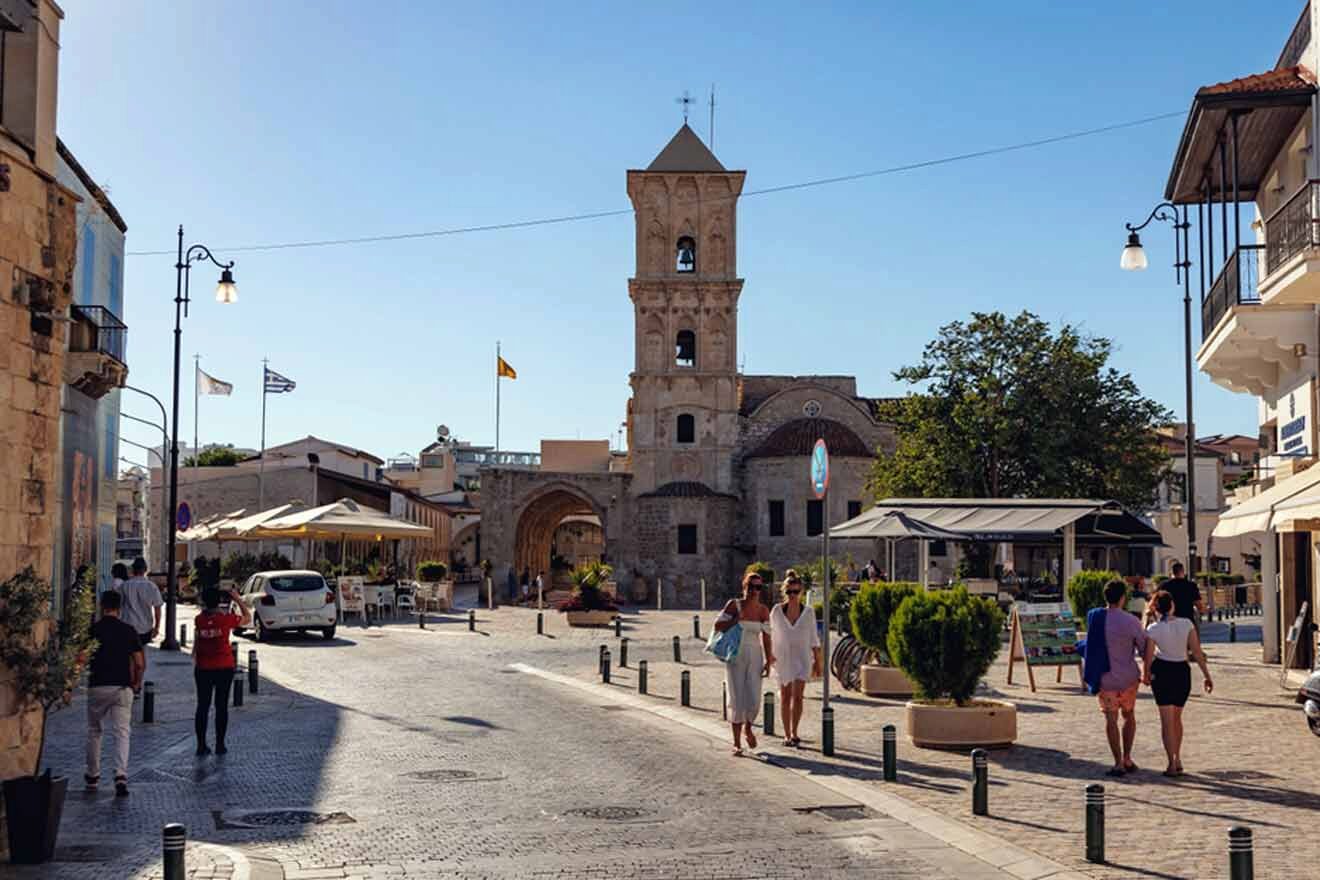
211,385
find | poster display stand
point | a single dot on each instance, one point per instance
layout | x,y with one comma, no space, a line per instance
1043,634
1293,637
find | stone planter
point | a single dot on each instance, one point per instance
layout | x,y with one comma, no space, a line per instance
591,618
985,723
885,681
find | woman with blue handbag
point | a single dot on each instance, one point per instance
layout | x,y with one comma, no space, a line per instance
745,669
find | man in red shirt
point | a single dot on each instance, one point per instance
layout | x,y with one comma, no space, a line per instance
213,663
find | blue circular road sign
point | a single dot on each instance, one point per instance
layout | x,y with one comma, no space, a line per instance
183,517
820,469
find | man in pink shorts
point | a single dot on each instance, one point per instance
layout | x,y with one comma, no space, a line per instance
1125,640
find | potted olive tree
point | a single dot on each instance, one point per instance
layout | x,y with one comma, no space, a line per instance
945,641
45,666
589,606
870,613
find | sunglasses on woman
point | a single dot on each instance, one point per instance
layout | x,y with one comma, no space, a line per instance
794,592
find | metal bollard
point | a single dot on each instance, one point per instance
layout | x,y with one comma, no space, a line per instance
827,732
183,635
238,687
623,653
540,623
600,661
768,713
605,667
1241,859
233,646
641,676
678,650
1232,630
472,620
724,700
696,626
421,618
685,688
174,839
1095,823
148,702
253,671
618,627
890,734
980,783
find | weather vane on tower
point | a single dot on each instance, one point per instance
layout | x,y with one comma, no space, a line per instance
686,101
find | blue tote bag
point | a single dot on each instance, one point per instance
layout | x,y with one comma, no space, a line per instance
724,645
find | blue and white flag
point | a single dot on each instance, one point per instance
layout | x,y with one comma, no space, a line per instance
277,384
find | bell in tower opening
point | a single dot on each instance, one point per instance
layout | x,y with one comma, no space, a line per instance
687,254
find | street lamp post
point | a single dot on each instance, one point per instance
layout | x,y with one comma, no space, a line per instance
1134,260
225,292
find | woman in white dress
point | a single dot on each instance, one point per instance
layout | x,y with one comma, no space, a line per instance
796,650
743,674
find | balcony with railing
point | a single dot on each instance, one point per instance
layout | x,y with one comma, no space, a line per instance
1291,273
95,361
1237,285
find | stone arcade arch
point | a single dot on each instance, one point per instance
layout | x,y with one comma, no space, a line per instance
538,520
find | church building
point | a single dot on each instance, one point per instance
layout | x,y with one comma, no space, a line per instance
716,473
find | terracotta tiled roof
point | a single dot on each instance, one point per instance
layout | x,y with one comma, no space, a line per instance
685,489
799,436
1285,79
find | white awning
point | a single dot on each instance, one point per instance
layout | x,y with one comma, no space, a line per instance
1297,498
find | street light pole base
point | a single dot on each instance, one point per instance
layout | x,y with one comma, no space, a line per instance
170,644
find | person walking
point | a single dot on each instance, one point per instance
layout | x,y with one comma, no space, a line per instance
1187,601
743,674
213,664
1114,639
115,674
142,601
1168,643
540,586
795,652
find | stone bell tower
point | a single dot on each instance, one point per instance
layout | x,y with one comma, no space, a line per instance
683,416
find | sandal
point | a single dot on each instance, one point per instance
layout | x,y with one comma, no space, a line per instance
737,751
788,742
797,742
751,739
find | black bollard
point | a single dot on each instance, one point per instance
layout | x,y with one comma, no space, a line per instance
600,661
253,671
238,687
618,626
421,618
1232,630
540,623
1095,823
233,646
148,702
605,667
472,620
685,688
768,713
174,838
1241,859
724,700
696,626
183,635
890,734
641,676
827,732
678,650
980,783
623,653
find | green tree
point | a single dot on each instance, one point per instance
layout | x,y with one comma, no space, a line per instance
214,456
1006,407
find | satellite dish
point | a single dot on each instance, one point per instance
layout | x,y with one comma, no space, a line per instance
442,432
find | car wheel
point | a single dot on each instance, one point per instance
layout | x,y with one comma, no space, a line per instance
328,633
259,629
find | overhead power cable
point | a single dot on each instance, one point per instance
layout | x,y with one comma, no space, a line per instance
596,215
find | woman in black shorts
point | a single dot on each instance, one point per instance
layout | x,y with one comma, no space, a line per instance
1169,641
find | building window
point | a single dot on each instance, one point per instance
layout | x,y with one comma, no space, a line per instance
854,509
815,518
685,350
687,428
776,519
686,257
687,540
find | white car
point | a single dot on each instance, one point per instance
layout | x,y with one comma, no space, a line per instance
290,600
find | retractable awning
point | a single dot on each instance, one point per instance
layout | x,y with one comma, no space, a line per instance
1297,498
1015,519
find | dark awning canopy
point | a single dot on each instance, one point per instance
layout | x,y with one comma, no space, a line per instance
1015,520
1268,107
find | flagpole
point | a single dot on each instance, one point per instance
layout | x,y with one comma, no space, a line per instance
197,453
497,401
261,465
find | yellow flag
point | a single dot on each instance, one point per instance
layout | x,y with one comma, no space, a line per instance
503,370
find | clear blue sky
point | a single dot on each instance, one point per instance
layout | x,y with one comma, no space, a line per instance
270,122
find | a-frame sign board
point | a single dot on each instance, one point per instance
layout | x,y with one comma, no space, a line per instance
1043,635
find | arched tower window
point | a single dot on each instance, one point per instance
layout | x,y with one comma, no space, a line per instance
685,353
687,254
687,428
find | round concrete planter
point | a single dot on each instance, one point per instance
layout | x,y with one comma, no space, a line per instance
985,723
885,681
591,618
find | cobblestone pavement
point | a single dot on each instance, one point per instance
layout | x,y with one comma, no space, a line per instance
396,752
1237,750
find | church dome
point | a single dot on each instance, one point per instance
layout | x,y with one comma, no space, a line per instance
798,437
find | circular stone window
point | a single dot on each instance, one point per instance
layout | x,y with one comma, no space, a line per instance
811,409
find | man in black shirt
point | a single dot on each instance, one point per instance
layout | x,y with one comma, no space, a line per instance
1186,597
115,674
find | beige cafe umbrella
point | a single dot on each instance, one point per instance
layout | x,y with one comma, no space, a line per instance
343,520
892,525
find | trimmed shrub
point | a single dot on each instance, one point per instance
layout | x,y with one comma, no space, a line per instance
431,571
1086,590
871,610
945,641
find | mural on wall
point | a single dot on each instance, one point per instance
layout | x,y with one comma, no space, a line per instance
80,488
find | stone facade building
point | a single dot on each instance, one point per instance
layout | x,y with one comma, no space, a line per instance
717,468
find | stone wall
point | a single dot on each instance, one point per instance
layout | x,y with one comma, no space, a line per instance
37,235
680,574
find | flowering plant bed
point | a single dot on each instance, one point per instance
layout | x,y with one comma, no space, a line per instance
589,606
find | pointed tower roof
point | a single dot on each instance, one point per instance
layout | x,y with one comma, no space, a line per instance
685,152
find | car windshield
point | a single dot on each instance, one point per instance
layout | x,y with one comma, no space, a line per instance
295,583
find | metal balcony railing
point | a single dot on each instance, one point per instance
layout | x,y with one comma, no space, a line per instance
96,328
1293,227
1238,284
